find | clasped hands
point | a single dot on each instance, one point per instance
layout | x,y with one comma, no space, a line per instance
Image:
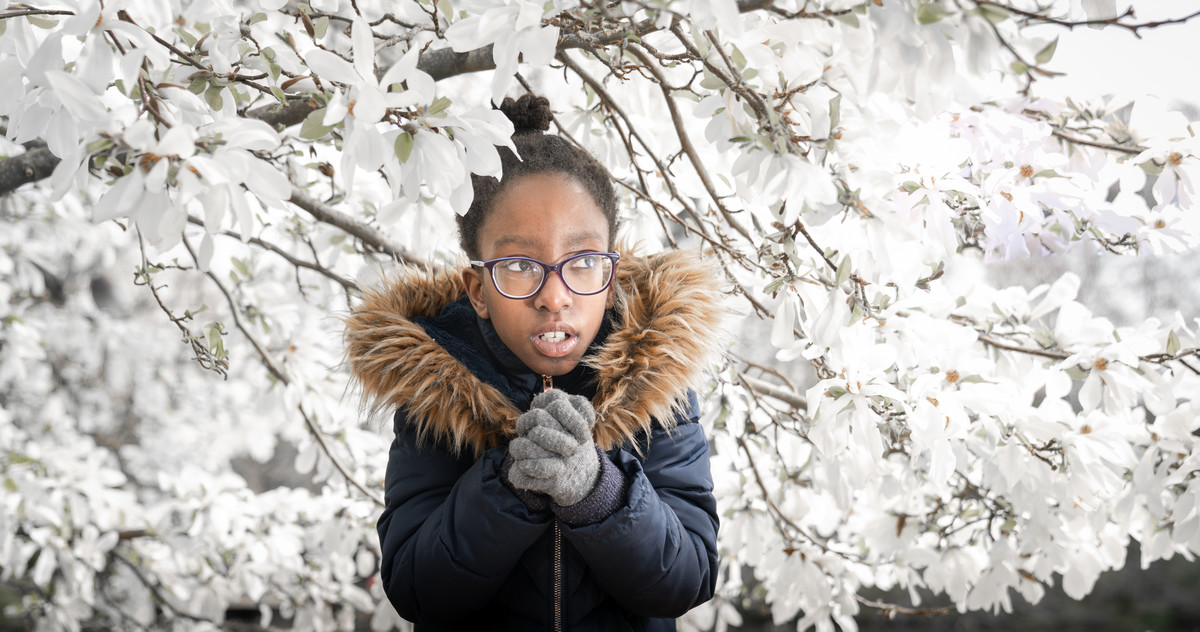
553,453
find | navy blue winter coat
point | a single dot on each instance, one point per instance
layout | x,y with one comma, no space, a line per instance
461,550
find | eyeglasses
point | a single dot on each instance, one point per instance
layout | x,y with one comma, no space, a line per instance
522,277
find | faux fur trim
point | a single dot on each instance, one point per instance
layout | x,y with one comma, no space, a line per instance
668,331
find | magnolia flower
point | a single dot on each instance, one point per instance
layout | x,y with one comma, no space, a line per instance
367,99
142,194
222,42
515,32
1109,356
843,407
1176,184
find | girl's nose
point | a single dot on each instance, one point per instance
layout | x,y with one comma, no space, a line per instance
554,295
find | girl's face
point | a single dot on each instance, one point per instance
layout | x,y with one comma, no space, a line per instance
547,217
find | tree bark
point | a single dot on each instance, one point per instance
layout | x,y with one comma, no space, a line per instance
30,166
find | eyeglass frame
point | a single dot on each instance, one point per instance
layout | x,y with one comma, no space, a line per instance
547,270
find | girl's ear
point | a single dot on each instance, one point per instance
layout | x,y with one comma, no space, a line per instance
610,296
474,284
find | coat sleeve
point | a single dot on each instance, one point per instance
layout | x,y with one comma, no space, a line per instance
657,554
451,532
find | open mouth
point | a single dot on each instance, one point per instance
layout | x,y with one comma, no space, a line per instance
555,341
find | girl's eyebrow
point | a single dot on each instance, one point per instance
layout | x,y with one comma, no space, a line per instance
521,240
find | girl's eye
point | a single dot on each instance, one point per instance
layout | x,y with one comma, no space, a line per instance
586,262
518,266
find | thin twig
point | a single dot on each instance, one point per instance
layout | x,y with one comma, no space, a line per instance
280,375
295,261
797,402
890,610
368,235
1131,150
685,140
1073,24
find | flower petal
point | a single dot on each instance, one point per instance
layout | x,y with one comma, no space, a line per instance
329,66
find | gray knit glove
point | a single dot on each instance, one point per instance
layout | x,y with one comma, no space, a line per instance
553,453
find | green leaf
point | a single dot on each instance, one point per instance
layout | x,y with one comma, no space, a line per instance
698,39
847,18
1172,343
320,27
930,12
1019,67
710,81
690,95
404,146
98,146
242,267
774,286
42,21
444,7
3,26
279,94
437,107
843,270
993,13
212,338
213,97
835,112
188,38
198,85
256,18
312,128
1047,53
739,59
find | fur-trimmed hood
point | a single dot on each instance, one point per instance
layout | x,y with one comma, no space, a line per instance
667,330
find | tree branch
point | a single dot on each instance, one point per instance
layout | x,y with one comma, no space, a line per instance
363,232
890,610
295,261
1132,150
1045,353
1072,24
25,168
770,390
275,370
685,141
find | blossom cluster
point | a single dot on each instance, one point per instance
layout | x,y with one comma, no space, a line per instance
224,177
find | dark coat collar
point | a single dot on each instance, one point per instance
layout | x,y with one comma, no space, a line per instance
405,350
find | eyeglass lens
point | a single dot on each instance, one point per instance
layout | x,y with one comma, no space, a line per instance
586,274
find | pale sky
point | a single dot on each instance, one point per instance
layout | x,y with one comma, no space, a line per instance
1164,62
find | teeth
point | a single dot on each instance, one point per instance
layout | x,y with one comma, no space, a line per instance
554,336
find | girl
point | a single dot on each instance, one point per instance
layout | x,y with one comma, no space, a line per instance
548,471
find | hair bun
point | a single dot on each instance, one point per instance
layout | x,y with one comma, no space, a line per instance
529,114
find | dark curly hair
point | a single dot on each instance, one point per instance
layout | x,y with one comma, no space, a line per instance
540,153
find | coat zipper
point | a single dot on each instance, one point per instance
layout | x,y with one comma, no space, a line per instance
557,587
558,578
